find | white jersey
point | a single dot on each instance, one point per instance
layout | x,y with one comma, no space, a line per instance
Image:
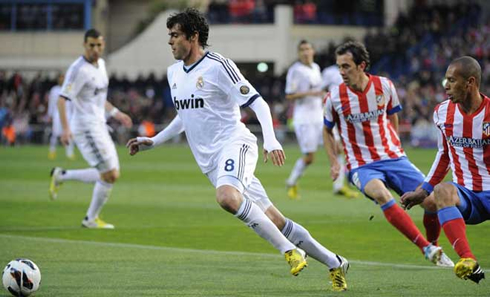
53,113
86,87
331,77
207,97
303,78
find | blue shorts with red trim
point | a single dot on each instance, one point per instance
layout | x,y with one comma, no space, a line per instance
398,174
474,206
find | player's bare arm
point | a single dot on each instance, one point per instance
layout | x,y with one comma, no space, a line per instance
66,136
330,147
410,199
120,116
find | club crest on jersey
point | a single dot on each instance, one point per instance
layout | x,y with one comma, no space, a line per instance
486,128
244,90
174,87
200,82
380,99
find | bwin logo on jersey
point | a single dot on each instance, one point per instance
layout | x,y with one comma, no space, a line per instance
190,103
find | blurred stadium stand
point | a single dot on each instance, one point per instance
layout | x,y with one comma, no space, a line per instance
409,41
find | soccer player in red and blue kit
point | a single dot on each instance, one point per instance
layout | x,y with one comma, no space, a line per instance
464,146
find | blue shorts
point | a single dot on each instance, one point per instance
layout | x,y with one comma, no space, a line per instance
474,206
399,175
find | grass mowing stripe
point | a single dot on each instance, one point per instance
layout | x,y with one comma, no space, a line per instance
162,248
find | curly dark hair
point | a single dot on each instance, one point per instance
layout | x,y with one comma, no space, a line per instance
191,21
358,51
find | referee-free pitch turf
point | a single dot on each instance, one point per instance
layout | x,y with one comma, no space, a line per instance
172,239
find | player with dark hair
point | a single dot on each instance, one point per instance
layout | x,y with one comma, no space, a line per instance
364,108
207,90
464,146
86,87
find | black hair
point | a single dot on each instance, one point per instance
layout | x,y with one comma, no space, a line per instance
469,67
91,33
303,41
358,51
191,21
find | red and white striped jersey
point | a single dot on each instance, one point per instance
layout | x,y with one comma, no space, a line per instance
464,146
366,132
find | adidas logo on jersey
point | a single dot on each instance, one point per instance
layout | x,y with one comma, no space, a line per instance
190,103
174,87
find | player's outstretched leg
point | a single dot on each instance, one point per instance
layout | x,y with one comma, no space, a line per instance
231,200
300,237
59,175
402,221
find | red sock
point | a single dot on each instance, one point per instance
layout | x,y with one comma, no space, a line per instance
456,233
432,227
402,221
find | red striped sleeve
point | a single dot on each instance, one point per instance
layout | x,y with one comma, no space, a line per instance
378,88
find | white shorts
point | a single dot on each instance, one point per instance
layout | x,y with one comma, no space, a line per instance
236,168
97,148
309,136
57,128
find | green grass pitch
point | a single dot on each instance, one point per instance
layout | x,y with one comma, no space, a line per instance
172,239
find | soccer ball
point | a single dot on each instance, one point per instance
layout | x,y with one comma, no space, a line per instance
21,277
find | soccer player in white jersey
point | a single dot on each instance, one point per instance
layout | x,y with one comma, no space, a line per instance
464,146
54,116
208,90
86,87
364,107
304,88
331,78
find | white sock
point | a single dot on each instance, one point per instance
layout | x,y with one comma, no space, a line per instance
298,170
70,149
88,175
339,182
300,237
102,191
53,141
253,216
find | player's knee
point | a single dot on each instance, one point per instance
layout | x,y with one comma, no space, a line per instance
308,159
111,176
228,198
429,203
445,194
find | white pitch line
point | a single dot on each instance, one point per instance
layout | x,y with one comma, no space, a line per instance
215,252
